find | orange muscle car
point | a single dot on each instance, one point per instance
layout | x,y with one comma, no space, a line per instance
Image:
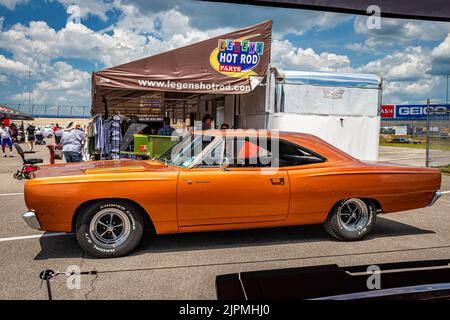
222,180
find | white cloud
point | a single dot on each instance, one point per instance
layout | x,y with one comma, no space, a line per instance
11,67
98,8
12,4
406,76
285,54
408,65
37,45
209,15
440,56
398,31
64,84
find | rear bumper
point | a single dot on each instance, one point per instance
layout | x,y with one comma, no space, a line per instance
436,196
31,219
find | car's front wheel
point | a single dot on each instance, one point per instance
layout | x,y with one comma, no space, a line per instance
109,228
351,219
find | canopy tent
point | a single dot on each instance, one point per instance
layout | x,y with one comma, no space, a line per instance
11,114
436,10
234,63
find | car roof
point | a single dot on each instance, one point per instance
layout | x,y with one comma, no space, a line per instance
304,140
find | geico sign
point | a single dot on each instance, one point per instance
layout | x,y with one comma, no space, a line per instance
418,110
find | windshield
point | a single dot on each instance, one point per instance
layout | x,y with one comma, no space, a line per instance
186,151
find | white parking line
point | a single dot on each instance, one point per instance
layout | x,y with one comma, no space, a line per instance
10,194
36,236
445,192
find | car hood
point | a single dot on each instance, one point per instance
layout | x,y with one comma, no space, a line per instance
101,167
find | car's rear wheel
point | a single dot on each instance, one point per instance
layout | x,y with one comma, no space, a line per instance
351,219
109,228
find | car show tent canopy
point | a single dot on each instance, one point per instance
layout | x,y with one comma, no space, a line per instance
11,114
234,63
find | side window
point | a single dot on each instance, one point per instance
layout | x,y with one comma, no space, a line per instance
252,152
248,152
213,158
291,155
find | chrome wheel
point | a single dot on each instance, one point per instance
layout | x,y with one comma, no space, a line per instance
353,215
110,227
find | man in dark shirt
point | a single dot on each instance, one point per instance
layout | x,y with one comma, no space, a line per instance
166,130
207,122
31,130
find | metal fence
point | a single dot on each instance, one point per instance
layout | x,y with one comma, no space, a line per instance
52,111
438,138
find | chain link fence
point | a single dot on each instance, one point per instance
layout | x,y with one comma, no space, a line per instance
438,139
52,111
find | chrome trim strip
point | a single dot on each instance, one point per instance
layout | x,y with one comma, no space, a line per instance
436,197
30,218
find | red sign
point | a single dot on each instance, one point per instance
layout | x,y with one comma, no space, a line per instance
387,111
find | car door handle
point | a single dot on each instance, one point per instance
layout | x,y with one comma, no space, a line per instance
277,181
189,182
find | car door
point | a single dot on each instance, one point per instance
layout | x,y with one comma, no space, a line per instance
209,195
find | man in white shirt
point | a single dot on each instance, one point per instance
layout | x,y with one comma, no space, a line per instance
72,141
5,135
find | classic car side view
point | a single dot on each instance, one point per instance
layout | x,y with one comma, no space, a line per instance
223,180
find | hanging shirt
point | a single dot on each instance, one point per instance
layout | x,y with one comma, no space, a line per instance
99,134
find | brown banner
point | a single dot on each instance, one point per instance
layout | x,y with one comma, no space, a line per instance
228,64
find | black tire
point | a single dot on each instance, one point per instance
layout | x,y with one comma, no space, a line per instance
91,223
336,227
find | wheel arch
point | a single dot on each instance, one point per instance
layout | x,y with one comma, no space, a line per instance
377,204
148,222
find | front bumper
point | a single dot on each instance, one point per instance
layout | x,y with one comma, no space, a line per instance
436,196
31,220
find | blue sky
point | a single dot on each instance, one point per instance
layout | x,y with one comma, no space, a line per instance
63,41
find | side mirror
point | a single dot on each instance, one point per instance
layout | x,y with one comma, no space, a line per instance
225,164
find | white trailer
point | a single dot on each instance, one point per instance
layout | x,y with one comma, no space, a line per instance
342,109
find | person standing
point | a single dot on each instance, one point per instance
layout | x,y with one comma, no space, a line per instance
31,131
15,132
58,134
72,141
166,130
5,135
207,122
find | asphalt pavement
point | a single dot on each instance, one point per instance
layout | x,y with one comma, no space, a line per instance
184,266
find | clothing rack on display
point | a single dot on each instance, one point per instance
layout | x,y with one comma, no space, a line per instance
107,135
